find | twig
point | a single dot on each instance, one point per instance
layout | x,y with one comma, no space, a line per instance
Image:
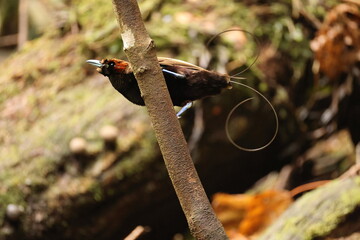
141,53
136,233
23,23
8,40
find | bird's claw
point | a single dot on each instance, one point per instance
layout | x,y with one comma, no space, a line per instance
183,109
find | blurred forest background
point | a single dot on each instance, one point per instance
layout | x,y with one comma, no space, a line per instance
78,161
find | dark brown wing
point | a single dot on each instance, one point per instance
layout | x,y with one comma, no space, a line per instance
179,65
196,83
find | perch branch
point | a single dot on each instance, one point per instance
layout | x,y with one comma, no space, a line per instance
141,53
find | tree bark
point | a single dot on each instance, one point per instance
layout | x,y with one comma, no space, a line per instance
140,50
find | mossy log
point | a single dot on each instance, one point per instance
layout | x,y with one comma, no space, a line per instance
331,210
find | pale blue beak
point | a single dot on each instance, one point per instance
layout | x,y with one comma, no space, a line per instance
96,63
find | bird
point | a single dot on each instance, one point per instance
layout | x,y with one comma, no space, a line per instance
186,82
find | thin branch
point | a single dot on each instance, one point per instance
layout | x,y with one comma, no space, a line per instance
136,233
8,40
141,53
23,23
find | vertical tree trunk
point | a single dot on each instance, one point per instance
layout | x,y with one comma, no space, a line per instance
141,53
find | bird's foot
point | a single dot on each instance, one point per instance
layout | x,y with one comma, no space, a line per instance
183,109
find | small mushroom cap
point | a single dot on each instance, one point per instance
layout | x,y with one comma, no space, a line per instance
77,145
14,211
109,133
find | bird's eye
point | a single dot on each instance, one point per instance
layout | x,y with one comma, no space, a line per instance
111,64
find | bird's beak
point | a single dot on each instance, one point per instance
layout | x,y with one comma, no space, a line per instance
96,63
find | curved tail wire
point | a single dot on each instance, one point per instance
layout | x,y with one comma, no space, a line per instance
236,76
244,31
238,105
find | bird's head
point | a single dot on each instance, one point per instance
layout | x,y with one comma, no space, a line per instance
111,66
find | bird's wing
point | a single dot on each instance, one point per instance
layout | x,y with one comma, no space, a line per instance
170,62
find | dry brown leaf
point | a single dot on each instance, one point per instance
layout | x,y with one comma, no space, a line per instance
245,215
337,43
